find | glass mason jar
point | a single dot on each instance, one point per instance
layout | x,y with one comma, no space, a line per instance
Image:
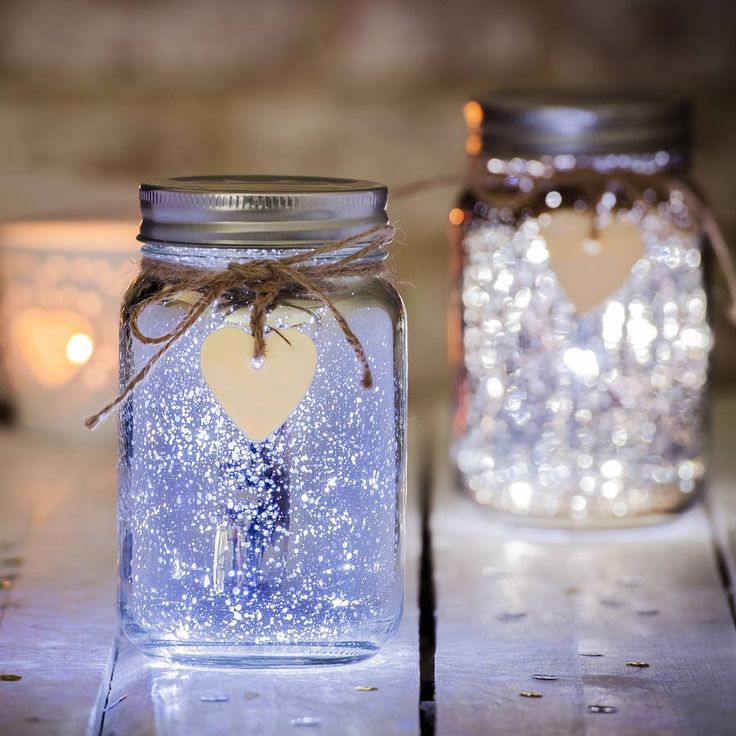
280,545
580,330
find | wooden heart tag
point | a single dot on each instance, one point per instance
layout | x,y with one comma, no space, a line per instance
259,396
590,270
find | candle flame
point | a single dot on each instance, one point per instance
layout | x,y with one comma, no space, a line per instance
79,348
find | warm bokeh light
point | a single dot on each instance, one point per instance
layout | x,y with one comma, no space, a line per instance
52,344
473,144
473,113
456,216
79,348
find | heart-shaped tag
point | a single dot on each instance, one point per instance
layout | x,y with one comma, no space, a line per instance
259,396
590,269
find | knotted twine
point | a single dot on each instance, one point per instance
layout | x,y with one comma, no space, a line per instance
271,279
266,282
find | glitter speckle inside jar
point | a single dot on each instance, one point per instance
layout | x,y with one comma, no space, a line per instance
583,369
279,551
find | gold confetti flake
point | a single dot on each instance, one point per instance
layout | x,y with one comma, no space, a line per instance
530,694
641,665
11,678
365,688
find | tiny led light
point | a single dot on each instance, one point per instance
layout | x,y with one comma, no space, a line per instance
79,348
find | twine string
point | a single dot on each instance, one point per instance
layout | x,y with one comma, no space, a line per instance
270,280
635,184
267,281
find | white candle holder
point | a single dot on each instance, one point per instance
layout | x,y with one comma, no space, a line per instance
62,281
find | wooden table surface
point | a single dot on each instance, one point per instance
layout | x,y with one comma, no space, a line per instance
487,607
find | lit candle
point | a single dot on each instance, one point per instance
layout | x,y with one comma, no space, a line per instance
61,284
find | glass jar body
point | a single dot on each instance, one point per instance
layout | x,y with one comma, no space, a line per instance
287,551
582,343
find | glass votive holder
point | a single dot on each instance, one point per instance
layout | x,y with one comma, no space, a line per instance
62,281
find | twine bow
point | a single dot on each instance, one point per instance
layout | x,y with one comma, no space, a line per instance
267,280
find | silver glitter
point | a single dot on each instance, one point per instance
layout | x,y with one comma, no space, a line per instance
602,709
286,550
308,721
590,417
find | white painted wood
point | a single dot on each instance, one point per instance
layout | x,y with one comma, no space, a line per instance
648,594
722,480
167,701
58,521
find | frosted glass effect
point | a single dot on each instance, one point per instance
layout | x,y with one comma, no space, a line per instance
287,551
595,417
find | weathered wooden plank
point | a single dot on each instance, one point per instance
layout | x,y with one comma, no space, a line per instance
152,698
722,481
58,513
514,602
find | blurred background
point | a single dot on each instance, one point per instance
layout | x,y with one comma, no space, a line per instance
97,96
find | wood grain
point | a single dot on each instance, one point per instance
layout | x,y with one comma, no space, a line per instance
548,597
58,523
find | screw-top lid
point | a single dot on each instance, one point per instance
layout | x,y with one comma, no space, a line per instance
268,211
537,123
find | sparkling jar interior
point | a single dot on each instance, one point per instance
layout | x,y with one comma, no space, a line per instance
590,412
275,553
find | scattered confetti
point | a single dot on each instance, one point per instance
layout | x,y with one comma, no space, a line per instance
306,721
602,709
545,677
511,615
215,698
530,694
641,665
572,589
250,696
365,688
11,678
590,654
115,703
648,612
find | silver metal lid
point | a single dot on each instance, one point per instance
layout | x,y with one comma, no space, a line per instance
536,123
267,211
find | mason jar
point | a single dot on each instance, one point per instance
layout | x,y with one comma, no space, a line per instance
580,325
261,499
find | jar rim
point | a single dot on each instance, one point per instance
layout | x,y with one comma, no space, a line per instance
578,122
271,211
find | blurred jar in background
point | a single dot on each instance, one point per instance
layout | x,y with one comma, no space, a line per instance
62,281
579,323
